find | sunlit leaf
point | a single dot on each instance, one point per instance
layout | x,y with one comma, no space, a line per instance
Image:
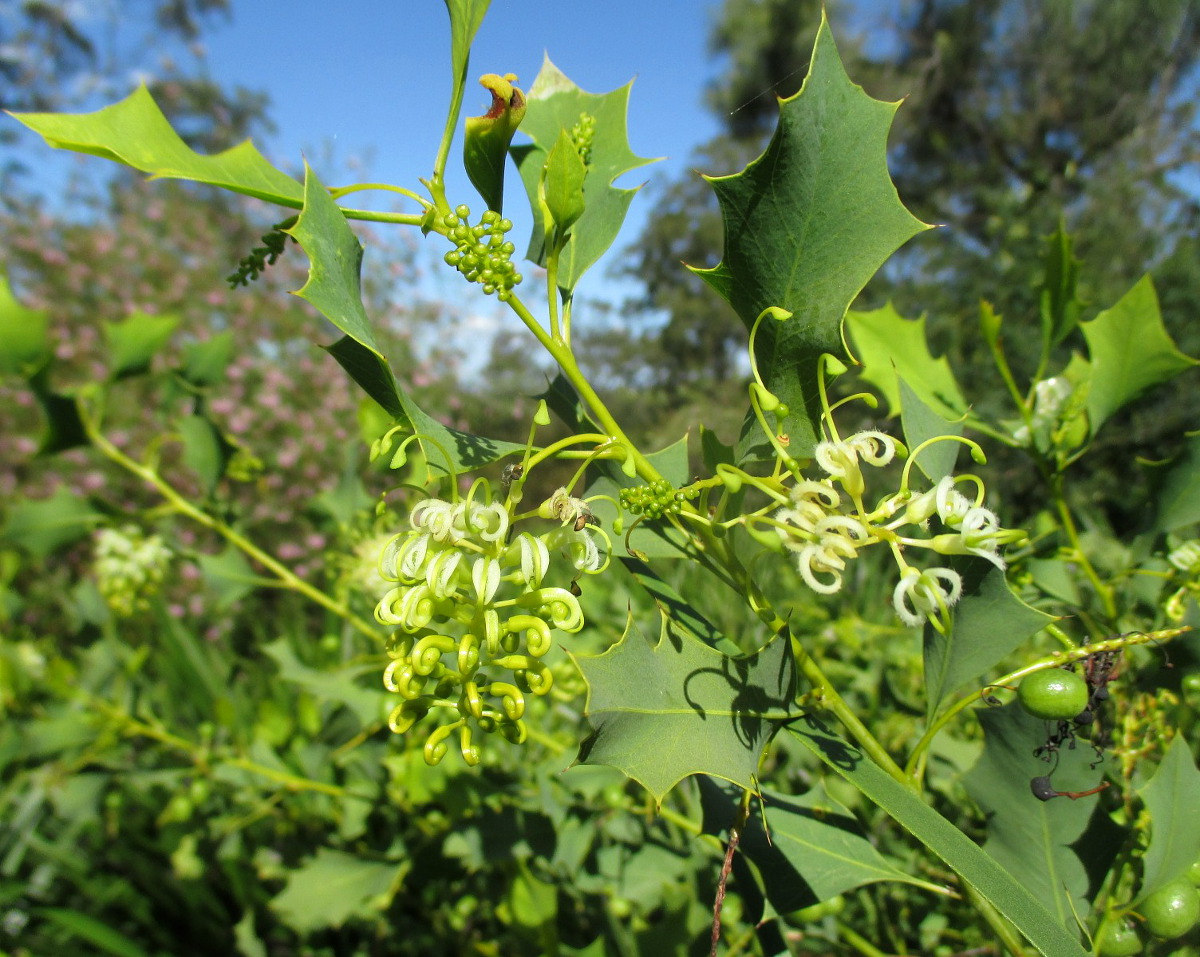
42,526
556,105
1130,352
24,335
807,224
136,133
135,340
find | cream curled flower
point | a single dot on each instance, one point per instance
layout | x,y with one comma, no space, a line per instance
928,595
839,538
841,459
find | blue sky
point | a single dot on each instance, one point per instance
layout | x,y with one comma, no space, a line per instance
370,82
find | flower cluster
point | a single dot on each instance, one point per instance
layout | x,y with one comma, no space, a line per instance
129,568
475,616
825,524
481,252
656,499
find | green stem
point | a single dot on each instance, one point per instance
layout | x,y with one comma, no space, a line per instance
286,577
858,942
1103,592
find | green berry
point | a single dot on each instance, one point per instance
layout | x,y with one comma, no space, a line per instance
1172,910
1054,694
1119,940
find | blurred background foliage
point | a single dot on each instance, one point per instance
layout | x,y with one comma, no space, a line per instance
210,776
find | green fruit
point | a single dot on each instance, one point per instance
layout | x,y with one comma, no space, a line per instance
1119,940
1172,910
1054,694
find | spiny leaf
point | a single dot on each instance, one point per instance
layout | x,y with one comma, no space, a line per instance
891,348
1130,352
133,342
921,424
555,105
806,226
1058,302
136,133
1028,836
662,712
333,287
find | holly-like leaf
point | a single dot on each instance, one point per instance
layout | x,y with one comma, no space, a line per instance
204,363
815,849
332,887
334,288
1029,837
448,450
661,712
133,342
1130,352
1171,798
556,105
989,622
24,335
892,348
1058,301
136,133
995,884
806,226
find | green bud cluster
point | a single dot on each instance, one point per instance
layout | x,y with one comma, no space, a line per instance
251,266
474,620
481,252
582,134
129,568
656,499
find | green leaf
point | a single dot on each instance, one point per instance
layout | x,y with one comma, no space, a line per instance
942,838
1029,837
815,849
1058,301
204,363
989,622
340,686
678,609
806,226
134,341
332,887
42,526
485,146
24,335
1178,499
95,932
63,427
892,348
448,450
465,19
921,423
555,105
662,712
136,133
1171,798
1130,351
565,173
205,450
229,576
333,287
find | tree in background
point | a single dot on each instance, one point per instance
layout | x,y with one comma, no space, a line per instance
1016,112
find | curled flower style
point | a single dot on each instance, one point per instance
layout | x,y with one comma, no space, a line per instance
467,603
840,538
928,595
1186,557
840,459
